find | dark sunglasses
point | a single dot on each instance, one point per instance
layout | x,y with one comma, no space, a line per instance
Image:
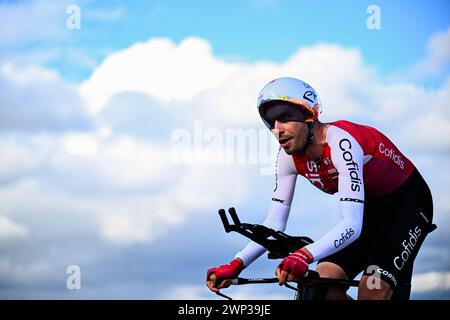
284,113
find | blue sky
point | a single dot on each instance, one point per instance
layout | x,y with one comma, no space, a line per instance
255,30
89,173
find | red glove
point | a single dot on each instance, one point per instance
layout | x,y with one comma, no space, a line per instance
227,271
296,264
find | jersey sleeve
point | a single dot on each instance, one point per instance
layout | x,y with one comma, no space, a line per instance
278,214
348,157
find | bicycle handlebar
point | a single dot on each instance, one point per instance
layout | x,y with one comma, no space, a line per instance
239,281
311,279
310,275
281,244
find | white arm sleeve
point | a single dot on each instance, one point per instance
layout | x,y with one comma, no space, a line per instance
348,157
285,178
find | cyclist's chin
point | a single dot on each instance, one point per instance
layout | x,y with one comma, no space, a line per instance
294,148
291,149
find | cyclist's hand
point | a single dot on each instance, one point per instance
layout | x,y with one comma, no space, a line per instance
294,266
211,284
218,277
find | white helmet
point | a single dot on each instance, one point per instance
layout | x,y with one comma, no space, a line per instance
291,90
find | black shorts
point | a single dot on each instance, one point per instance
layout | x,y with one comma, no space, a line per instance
394,228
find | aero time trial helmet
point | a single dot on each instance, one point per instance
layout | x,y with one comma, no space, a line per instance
292,90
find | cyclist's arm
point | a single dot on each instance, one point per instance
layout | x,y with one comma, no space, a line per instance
348,157
285,178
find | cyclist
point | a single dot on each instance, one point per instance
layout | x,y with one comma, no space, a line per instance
385,204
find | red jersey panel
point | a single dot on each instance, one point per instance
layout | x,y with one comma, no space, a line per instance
385,167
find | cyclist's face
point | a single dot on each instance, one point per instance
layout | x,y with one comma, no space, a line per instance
286,123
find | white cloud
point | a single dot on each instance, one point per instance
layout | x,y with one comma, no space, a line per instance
128,229
431,281
32,20
130,188
128,163
426,137
16,159
206,187
37,99
80,144
438,55
122,219
25,76
96,162
194,191
33,57
23,273
45,20
338,74
159,68
11,230
137,114
136,219
429,119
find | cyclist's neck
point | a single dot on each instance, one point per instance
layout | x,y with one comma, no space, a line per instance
316,148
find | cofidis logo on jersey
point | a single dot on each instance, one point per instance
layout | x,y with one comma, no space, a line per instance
352,166
390,153
344,237
313,176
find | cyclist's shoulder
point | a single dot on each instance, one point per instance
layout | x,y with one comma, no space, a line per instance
340,129
363,133
350,126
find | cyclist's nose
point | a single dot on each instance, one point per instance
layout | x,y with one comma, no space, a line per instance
278,125
278,129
